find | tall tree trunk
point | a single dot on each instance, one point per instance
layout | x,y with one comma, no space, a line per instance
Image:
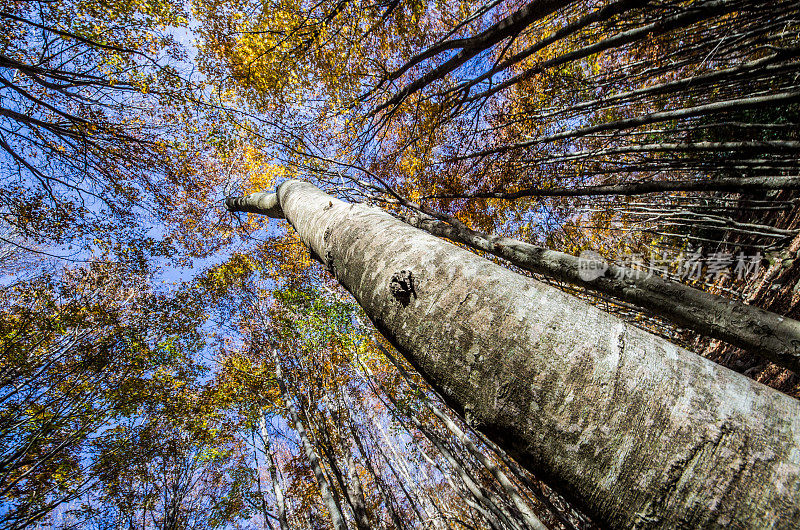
356,492
326,444
492,507
322,481
764,333
397,464
264,511
463,492
354,486
637,431
277,490
483,496
528,487
724,184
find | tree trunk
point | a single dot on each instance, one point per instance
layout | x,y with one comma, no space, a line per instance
398,466
508,486
469,48
525,512
322,481
326,444
354,487
280,500
725,184
385,492
637,431
492,505
763,333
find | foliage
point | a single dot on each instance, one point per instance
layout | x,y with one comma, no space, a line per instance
80,353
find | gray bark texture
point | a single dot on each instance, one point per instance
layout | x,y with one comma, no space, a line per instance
763,333
638,432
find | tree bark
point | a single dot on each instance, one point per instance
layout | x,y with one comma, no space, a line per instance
765,334
528,487
635,430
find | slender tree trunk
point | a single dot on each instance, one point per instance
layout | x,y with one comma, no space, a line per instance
708,109
356,492
482,496
637,431
326,444
385,492
395,461
322,481
277,490
354,486
492,505
264,511
467,497
411,493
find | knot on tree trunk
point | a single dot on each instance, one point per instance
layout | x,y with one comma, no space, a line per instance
402,287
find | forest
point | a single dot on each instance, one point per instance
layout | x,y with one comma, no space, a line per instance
399,264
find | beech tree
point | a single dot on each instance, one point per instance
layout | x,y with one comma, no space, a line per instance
627,425
568,106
